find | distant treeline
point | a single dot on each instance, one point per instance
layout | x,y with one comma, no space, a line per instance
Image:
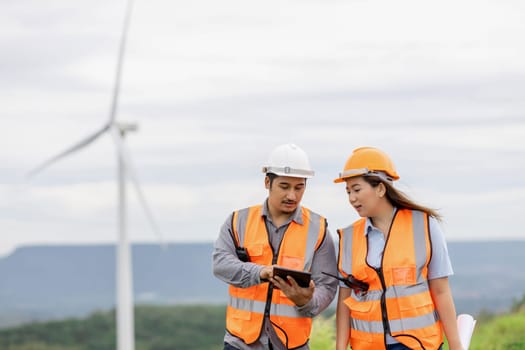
201,327
194,327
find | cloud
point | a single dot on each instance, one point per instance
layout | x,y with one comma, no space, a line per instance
214,87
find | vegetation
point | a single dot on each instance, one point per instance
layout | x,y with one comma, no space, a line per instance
503,332
201,327
193,327
323,333
492,332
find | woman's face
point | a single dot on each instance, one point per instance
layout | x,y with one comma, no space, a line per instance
363,197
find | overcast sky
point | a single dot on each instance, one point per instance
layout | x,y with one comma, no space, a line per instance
215,85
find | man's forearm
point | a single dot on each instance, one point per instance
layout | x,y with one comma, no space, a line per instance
231,270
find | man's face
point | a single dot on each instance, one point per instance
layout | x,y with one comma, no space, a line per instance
285,193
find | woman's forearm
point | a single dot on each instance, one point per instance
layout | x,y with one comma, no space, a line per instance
442,297
342,320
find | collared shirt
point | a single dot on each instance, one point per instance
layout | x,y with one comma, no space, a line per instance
438,267
229,269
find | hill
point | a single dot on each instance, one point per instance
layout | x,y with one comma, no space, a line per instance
53,282
487,275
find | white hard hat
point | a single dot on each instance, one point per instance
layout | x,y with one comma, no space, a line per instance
288,160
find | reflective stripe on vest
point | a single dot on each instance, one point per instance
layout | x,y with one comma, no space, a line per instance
412,318
246,307
258,307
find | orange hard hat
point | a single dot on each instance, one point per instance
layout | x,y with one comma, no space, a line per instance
368,161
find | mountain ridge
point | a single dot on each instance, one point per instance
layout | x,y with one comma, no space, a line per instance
57,281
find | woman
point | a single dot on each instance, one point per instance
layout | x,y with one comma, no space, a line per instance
398,250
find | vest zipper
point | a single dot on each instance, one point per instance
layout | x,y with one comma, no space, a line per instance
384,314
275,256
268,305
379,271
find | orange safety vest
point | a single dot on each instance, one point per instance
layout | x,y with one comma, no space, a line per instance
398,301
247,307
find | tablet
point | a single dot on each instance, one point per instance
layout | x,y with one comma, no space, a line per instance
301,277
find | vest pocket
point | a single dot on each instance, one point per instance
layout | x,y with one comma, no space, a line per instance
359,307
417,312
241,314
361,319
237,321
292,262
403,275
413,298
256,252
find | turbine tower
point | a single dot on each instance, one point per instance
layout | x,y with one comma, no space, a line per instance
118,130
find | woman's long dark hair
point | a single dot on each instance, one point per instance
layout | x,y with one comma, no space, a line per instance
399,199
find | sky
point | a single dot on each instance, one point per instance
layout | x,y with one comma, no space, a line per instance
214,86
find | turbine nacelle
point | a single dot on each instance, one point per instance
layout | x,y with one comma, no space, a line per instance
124,127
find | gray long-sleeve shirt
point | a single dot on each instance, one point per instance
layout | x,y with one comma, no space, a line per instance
228,268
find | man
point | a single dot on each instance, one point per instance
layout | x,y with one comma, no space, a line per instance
266,311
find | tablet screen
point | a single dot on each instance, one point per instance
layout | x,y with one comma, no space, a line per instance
301,277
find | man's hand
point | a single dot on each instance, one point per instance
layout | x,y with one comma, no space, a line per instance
266,273
290,288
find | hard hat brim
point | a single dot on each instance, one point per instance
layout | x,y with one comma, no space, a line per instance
343,179
351,173
290,172
365,172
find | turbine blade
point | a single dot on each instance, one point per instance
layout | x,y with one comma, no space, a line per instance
120,62
125,154
85,142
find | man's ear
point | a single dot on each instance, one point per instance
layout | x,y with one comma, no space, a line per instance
267,182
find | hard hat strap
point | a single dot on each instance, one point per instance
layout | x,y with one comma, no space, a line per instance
380,174
287,171
365,172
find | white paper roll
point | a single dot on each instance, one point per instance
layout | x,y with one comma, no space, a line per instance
466,325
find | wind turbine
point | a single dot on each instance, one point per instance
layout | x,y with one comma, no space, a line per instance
118,130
